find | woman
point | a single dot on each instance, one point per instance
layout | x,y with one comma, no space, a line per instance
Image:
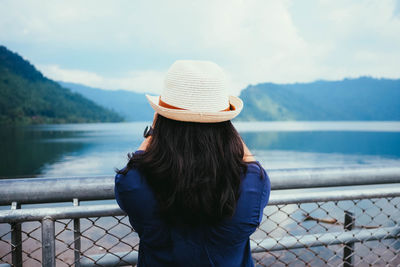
193,191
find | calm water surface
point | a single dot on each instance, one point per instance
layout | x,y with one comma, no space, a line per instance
96,149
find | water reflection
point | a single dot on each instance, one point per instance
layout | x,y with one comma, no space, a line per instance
361,143
285,159
37,150
23,152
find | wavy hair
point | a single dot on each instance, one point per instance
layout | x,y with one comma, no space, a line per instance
194,170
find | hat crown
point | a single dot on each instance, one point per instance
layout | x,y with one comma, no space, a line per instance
196,85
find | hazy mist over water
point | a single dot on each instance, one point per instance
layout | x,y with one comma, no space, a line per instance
96,149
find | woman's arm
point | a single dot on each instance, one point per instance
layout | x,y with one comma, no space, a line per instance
145,143
248,157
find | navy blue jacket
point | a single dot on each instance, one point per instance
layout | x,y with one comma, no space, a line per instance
226,244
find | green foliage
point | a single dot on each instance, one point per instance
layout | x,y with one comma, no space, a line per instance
26,96
363,98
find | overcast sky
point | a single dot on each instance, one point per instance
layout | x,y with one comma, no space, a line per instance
131,44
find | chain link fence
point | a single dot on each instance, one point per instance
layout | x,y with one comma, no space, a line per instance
97,236
282,239
318,227
333,226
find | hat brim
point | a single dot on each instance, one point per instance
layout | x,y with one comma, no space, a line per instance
195,116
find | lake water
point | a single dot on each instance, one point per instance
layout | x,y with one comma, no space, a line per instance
96,149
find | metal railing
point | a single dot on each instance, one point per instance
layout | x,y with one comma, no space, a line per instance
337,216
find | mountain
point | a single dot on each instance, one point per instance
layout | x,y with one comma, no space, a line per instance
26,96
363,98
132,106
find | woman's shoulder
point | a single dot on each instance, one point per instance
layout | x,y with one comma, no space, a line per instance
254,166
256,177
129,179
255,169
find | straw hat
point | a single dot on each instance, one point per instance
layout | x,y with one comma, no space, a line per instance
196,91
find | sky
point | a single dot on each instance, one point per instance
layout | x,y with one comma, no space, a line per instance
131,44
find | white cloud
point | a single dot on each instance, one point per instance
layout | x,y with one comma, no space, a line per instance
138,81
356,37
55,72
255,40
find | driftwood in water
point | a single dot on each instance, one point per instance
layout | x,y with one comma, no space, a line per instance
308,217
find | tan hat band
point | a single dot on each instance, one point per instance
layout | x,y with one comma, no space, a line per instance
166,105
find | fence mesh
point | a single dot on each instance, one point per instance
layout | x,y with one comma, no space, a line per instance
301,220
113,235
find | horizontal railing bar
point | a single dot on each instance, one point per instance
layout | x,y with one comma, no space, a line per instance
324,239
110,259
277,197
292,196
58,213
46,190
329,177
269,244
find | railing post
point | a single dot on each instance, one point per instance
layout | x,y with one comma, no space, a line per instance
348,250
48,242
16,239
77,237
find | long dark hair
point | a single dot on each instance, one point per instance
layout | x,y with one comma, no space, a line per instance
194,170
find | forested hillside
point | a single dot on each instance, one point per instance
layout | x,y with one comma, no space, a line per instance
364,98
26,96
